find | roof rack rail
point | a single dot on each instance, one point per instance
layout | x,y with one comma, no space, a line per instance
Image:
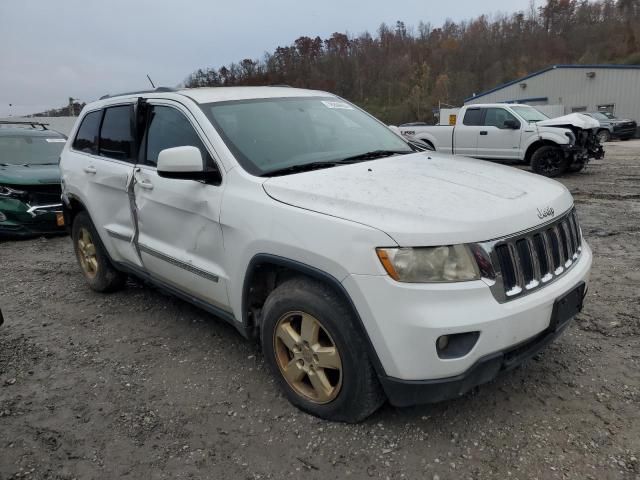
25,122
280,85
158,90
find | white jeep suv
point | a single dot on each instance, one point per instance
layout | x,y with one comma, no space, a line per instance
367,270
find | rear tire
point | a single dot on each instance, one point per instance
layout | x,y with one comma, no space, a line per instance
338,384
549,161
92,257
603,136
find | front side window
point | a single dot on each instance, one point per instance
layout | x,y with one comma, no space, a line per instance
530,114
495,117
116,136
30,148
473,117
169,128
87,137
268,135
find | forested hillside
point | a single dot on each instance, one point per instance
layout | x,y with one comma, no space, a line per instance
402,72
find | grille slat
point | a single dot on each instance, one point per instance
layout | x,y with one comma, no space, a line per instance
530,260
535,259
506,267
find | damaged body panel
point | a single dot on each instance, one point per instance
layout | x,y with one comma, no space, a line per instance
30,181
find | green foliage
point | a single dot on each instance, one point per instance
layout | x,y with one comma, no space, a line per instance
399,75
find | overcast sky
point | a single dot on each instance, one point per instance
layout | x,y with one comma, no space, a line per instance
54,49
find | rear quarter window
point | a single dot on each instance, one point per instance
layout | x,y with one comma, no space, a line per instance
87,138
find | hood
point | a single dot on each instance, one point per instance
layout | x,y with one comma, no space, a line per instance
426,199
574,119
29,174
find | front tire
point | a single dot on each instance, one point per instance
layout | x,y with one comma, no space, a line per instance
549,161
313,348
92,257
603,136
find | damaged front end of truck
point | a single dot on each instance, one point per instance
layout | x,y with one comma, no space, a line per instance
583,144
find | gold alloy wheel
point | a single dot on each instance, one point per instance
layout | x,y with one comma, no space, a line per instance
307,357
87,253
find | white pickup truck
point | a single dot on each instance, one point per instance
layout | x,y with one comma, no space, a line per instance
516,132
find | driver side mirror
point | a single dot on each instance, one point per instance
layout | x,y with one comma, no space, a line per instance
512,124
184,163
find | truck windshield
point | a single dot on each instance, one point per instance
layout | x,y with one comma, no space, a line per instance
276,134
530,114
25,149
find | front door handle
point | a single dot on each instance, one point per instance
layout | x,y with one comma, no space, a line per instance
484,132
90,169
146,184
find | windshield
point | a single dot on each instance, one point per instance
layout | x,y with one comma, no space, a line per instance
530,114
608,115
25,149
599,116
269,135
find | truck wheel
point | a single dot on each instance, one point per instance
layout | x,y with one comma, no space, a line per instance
96,267
319,359
603,136
549,161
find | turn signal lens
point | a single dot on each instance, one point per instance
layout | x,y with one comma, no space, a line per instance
450,263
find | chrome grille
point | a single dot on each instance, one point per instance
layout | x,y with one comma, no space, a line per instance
528,261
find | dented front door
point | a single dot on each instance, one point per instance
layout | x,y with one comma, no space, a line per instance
179,235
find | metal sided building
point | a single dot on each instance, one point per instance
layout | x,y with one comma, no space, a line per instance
576,88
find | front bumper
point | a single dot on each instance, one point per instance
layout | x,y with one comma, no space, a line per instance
404,321
624,131
404,393
20,219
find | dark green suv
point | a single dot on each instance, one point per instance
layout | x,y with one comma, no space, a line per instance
30,180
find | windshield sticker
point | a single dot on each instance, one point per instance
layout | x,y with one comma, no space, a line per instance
55,140
337,105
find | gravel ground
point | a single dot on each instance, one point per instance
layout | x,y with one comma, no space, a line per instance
138,384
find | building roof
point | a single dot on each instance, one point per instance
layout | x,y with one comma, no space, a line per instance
545,70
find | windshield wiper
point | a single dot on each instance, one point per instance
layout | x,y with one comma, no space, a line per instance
306,167
372,155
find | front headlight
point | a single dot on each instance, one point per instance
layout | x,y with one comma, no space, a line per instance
453,263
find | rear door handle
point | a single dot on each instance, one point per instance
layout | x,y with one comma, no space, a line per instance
484,132
90,169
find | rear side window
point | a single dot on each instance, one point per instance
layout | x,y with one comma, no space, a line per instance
87,138
473,117
169,128
116,134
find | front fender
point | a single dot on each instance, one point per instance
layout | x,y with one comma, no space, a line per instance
554,136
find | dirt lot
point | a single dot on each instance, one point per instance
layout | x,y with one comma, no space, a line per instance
141,385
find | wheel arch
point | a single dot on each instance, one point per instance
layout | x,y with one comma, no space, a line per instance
535,146
266,271
71,206
428,142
